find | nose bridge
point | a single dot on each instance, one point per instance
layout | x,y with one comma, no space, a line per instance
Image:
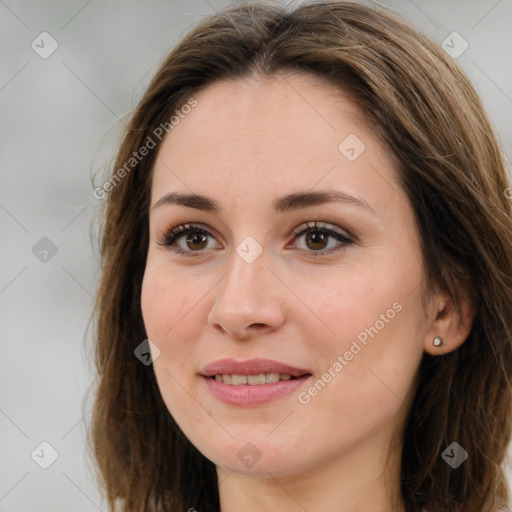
243,281
245,297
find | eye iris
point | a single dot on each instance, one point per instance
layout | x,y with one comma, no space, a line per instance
197,238
317,238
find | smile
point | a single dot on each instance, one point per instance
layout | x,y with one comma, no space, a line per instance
252,382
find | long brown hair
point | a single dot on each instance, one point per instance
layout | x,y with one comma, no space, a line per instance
450,166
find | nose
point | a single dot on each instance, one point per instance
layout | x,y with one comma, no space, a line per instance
247,301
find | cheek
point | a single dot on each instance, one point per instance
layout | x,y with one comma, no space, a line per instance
341,306
168,314
372,341
165,303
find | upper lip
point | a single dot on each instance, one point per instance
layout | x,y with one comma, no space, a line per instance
251,367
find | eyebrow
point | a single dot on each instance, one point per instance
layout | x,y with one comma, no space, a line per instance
283,204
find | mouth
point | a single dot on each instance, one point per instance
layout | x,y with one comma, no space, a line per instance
253,382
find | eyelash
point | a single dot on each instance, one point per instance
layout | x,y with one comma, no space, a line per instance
170,236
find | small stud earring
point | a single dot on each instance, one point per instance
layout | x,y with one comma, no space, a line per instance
438,341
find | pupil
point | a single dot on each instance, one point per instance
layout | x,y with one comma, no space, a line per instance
317,238
197,238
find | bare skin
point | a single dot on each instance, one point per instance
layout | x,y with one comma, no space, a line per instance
303,301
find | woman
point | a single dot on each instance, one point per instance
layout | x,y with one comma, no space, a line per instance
306,291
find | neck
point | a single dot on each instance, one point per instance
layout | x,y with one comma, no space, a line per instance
355,482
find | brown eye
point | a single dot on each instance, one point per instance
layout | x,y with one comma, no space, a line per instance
320,239
197,241
187,239
316,240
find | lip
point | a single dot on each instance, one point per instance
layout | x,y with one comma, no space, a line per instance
251,367
248,395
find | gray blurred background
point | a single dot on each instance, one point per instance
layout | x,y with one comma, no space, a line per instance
60,123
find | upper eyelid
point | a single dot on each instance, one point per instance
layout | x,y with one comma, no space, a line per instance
304,226
320,225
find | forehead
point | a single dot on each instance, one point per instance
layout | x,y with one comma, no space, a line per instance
270,134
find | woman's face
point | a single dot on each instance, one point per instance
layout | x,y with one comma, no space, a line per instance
335,305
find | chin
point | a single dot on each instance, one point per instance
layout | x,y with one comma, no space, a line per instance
253,456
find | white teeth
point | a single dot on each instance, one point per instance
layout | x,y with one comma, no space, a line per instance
238,380
255,380
252,380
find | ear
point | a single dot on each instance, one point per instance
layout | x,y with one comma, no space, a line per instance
454,327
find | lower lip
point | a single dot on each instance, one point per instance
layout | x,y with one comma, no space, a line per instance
247,395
